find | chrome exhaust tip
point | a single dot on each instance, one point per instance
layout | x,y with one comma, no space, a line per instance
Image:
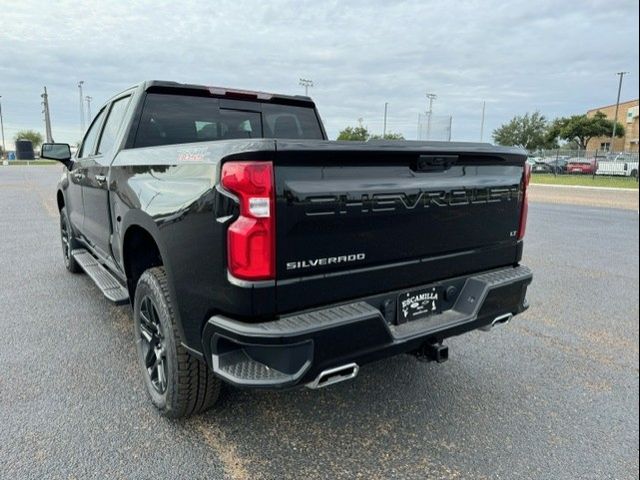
335,375
500,320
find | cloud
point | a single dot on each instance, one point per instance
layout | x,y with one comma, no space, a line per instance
559,58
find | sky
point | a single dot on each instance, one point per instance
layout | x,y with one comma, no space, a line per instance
560,58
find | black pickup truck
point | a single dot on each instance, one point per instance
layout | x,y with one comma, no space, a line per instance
256,252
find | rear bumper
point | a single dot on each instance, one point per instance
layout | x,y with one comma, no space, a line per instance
294,349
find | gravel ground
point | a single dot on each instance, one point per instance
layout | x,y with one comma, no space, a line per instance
552,395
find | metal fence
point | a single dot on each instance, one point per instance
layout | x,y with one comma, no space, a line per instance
434,127
594,163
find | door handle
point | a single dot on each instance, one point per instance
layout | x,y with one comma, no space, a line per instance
101,178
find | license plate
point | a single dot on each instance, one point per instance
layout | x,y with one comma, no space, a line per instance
419,303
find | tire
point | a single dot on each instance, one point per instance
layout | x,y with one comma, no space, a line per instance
69,243
189,387
634,173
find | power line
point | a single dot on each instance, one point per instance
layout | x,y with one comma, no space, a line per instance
2,129
615,117
47,117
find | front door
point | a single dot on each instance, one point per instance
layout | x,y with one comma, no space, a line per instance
97,220
78,175
73,196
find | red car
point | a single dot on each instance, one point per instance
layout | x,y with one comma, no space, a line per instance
582,165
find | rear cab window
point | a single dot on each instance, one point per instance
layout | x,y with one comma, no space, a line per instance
174,118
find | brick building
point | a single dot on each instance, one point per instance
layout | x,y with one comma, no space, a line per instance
627,116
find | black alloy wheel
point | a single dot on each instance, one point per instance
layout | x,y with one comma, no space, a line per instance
153,345
68,242
65,237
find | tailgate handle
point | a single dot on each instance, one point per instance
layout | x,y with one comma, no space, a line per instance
435,163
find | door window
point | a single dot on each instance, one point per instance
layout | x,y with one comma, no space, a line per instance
89,141
112,125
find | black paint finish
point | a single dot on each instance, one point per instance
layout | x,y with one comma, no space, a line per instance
414,225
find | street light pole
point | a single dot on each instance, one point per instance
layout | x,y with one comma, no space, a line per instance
431,97
80,83
2,128
384,127
615,117
306,83
88,99
482,121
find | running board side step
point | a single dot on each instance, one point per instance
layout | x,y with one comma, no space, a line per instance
111,288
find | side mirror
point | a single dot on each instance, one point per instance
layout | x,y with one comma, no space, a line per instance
60,152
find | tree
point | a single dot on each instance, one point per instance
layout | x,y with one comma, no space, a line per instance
387,136
34,137
357,134
580,128
361,134
528,131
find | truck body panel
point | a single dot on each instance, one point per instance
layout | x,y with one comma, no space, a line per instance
358,225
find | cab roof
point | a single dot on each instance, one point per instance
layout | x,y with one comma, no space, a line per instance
161,86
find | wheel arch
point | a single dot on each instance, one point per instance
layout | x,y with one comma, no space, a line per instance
60,200
140,251
136,221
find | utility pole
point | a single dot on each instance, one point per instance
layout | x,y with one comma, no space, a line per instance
47,117
450,125
615,117
306,83
80,83
431,97
88,99
4,150
384,125
484,104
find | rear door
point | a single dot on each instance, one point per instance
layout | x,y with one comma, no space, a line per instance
97,219
359,220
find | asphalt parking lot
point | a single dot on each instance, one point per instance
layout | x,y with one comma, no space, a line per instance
552,395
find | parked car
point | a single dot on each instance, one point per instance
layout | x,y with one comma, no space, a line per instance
622,157
618,168
558,164
548,165
254,251
582,165
542,167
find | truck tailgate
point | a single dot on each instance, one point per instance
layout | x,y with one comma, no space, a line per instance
360,218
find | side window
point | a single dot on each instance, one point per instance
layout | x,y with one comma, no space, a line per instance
112,125
89,141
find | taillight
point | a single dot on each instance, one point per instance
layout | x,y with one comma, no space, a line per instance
524,213
251,238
